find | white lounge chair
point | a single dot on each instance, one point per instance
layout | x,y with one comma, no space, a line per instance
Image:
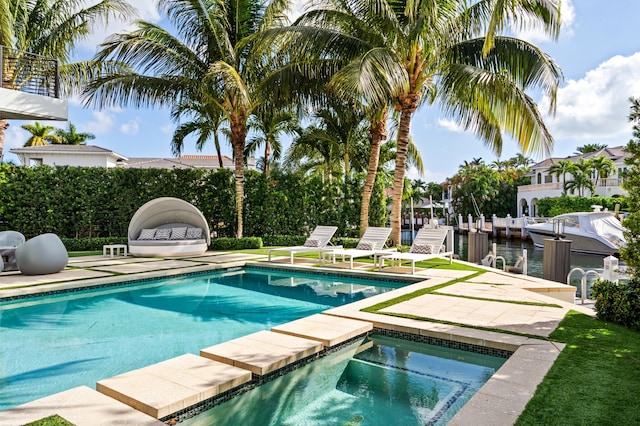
428,244
317,241
371,244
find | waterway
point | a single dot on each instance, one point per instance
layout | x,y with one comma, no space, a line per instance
511,249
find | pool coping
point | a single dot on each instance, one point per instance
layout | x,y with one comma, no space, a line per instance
499,401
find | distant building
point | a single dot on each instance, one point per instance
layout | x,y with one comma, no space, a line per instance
95,156
544,185
68,155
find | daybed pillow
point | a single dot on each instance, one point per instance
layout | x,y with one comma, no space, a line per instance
366,245
162,234
194,233
422,249
147,234
178,233
312,242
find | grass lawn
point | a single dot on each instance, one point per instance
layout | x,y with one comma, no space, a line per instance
51,421
595,380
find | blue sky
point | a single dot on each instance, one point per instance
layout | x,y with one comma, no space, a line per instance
598,51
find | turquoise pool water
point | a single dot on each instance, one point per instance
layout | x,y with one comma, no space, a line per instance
391,382
54,343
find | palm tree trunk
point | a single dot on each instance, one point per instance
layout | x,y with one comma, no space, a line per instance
238,140
3,128
216,142
408,104
378,134
267,154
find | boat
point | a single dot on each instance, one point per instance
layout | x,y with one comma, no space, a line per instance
598,232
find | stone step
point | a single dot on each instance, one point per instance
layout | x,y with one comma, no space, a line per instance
327,329
262,352
167,387
80,406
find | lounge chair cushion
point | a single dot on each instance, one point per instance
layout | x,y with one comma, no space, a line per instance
147,234
194,233
422,249
366,245
162,234
178,233
312,242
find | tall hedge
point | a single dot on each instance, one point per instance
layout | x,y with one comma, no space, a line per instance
94,202
554,206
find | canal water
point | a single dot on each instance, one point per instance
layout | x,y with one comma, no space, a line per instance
511,249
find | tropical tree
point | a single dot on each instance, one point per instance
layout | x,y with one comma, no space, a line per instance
409,53
52,29
205,121
205,57
561,168
589,148
269,123
40,135
602,166
70,136
631,252
579,183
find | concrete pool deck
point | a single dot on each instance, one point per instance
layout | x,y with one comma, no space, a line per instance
493,300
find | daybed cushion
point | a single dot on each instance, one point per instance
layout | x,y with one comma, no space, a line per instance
194,233
147,234
179,233
162,234
166,242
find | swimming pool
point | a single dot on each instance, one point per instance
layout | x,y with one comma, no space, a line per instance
57,342
384,381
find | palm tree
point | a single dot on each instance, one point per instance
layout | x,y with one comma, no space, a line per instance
71,137
412,52
602,166
580,182
589,148
206,58
40,135
51,29
561,168
204,120
269,123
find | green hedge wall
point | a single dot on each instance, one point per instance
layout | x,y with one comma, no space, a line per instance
554,206
92,202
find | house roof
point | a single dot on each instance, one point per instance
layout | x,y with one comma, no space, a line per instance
182,162
614,153
66,149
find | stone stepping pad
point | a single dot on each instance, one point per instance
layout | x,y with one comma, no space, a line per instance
80,406
262,352
327,329
167,387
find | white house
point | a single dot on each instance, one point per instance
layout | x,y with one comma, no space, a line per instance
95,156
544,185
68,155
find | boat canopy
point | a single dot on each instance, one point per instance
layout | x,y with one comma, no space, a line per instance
605,225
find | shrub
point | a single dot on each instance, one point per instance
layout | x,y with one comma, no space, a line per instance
283,240
236,243
618,303
91,244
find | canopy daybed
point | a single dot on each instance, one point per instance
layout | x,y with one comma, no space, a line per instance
168,227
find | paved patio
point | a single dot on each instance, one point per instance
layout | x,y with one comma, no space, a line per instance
493,300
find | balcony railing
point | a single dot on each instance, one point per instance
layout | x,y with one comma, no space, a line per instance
602,182
29,73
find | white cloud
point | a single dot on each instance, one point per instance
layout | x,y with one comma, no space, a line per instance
297,8
597,106
567,19
14,137
102,123
145,10
131,127
167,128
450,125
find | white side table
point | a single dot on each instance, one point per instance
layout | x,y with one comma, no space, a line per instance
117,248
